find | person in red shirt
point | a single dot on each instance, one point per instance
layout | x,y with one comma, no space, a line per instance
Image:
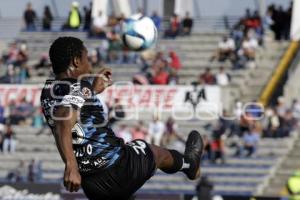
160,78
174,60
173,31
207,77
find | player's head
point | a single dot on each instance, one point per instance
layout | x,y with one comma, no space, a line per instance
69,56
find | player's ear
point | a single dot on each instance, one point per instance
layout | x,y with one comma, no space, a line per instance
76,62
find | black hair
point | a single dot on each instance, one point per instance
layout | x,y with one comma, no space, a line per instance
62,51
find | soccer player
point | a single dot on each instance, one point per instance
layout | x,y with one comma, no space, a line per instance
94,157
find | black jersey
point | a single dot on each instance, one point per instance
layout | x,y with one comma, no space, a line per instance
94,143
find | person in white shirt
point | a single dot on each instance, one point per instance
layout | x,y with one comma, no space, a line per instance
249,47
155,131
99,23
222,77
124,133
225,50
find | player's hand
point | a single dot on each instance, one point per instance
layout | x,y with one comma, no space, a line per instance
72,179
103,80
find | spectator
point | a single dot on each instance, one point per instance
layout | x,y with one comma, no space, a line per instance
227,123
22,113
293,186
156,20
22,55
249,142
268,21
99,23
43,62
289,123
94,58
207,148
222,78
12,54
114,47
140,79
173,30
2,117
207,77
295,107
272,123
47,18
225,50
238,110
155,131
9,141
175,62
37,121
288,21
257,26
281,107
217,146
160,75
34,171
246,121
171,133
187,24
138,132
18,174
249,47
29,18
74,19
87,17
204,188
124,133
173,78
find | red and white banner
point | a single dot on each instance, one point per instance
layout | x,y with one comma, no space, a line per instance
16,93
131,96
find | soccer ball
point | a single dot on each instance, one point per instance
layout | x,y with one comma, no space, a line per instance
139,33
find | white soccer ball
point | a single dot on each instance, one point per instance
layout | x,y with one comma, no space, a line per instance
139,33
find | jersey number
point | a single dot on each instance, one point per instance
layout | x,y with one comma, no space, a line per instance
138,147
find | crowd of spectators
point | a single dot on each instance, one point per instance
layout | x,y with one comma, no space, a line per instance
279,21
246,36
245,132
241,45
179,27
158,68
240,131
155,132
21,113
15,59
99,25
31,172
221,78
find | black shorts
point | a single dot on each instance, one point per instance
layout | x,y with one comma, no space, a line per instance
122,180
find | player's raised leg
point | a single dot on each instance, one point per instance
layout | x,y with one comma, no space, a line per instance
171,161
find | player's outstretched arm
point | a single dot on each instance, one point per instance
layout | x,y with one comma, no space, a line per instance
66,119
102,80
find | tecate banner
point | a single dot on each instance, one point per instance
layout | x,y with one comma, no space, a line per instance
187,99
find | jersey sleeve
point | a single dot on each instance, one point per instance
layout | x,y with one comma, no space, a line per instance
77,94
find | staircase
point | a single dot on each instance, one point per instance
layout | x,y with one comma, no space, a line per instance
287,167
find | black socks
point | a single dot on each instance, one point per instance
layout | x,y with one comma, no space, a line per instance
178,163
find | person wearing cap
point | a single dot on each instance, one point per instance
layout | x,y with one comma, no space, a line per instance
293,186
